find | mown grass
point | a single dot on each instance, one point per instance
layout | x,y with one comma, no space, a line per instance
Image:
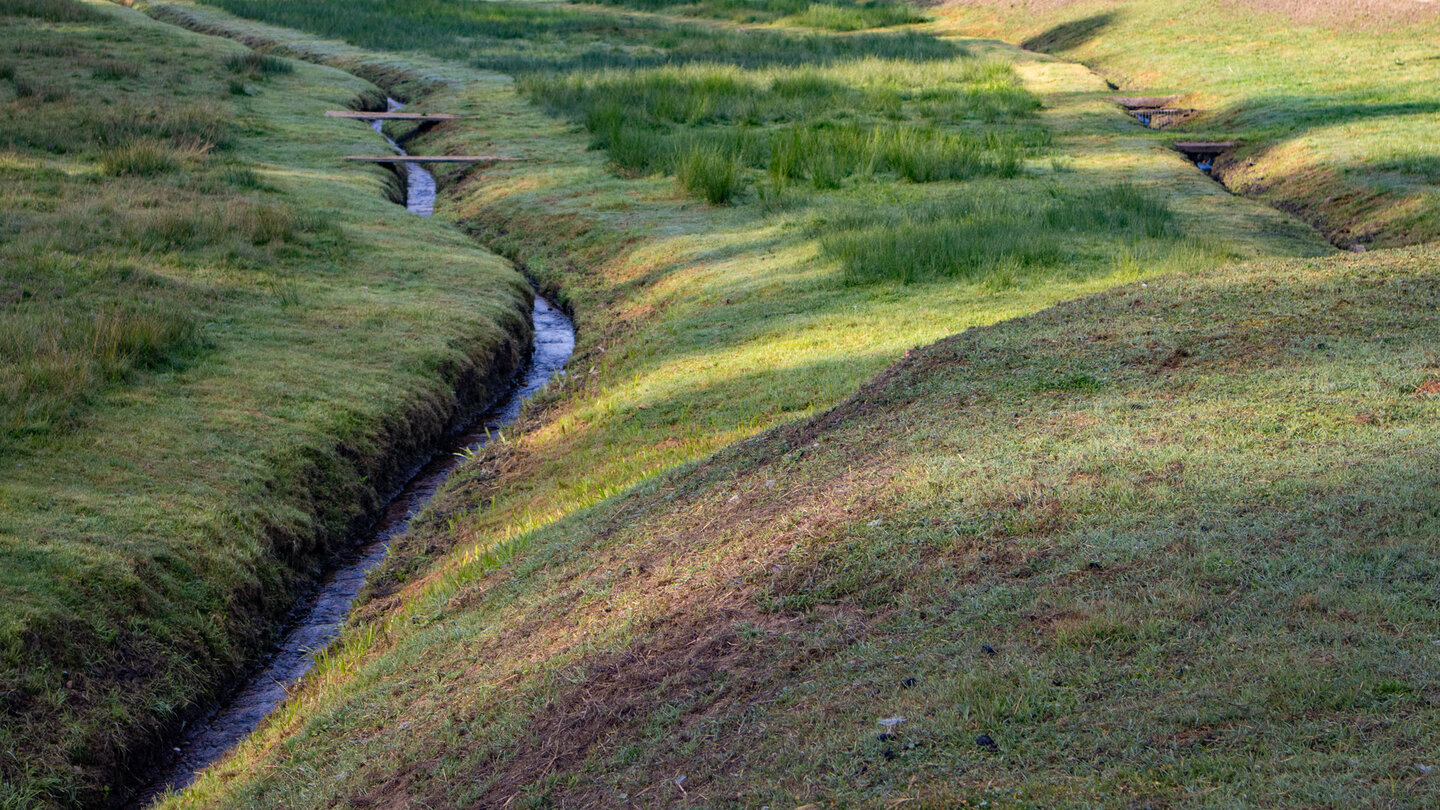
531,643
1118,552
218,350
1321,115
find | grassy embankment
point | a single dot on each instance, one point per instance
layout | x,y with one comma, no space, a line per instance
1169,543
218,348
1336,103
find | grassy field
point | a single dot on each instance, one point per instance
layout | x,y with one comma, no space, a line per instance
1172,545
218,349
1166,545
1335,103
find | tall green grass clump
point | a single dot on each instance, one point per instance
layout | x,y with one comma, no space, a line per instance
818,126
845,17
1003,241
708,171
258,64
140,158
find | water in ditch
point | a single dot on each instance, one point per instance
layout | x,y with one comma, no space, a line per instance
319,618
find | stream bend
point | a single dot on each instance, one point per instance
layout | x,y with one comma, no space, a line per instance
319,618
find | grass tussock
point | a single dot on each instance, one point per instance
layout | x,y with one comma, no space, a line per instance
139,158
821,127
837,17
115,70
1001,242
258,65
709,171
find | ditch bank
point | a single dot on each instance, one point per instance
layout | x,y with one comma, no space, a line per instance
483,404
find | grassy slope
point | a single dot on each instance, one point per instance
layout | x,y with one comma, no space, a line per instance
1172,545
1336,110
778,598
265,342
705,325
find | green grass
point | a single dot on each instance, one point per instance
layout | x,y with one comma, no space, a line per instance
521,38
834,16
1195,532
1321,115
661,93
948,121
1001,242
218,348
596,607
258,64
1191,516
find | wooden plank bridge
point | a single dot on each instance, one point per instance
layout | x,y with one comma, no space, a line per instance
394,116
430,158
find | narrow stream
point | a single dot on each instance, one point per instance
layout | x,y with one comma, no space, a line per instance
317,620
419,182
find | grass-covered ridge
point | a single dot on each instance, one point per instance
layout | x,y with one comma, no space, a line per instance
219,347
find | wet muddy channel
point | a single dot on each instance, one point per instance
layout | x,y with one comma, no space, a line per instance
318,619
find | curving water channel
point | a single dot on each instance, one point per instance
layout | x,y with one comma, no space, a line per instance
318,619
419,182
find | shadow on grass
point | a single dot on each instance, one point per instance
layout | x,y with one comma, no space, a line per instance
1070,35
527,38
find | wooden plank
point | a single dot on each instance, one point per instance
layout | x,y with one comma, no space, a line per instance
392,116
1138,102
429,158
1204,147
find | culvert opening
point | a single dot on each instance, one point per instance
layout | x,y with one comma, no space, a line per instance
1204,153
1156,112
